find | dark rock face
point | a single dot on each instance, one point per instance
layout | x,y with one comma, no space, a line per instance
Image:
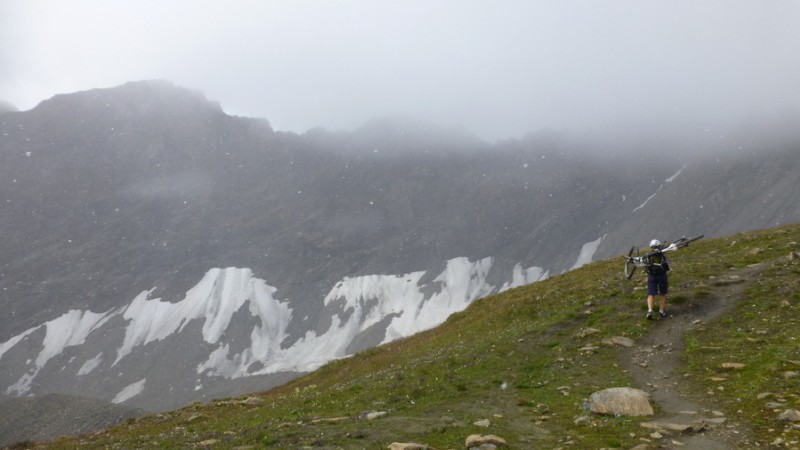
108,193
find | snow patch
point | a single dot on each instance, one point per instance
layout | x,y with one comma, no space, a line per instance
648,199
587,252
215,299
130,391
669,180
90,365
69,330
520,276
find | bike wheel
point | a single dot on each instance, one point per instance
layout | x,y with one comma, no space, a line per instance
630,267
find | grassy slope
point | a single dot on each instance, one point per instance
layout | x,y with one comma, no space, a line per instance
435,385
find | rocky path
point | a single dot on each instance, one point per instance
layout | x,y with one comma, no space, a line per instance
655,363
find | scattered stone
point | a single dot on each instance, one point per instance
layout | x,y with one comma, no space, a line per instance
678,427
375,414
588,348
716,420
582,420
641,447
207,442
621,401
773,405
656,435
790,415
253,401
678,443
482,423
330,420
730,365
484,441
587,332
790,374
764,395
718,379
796,363
407,446
688,413
619,340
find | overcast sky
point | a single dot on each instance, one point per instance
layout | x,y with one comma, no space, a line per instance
497,68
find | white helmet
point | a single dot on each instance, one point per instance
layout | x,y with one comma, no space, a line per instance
655,243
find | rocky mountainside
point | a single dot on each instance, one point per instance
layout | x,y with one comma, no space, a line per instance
158,251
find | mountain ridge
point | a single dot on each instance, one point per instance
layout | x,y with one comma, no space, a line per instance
111,193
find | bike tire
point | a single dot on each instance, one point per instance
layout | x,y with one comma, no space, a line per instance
630,267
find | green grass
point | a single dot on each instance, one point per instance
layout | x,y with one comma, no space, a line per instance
519,360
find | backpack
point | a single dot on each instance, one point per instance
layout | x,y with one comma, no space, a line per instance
656,263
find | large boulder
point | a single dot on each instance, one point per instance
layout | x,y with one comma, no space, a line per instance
621,401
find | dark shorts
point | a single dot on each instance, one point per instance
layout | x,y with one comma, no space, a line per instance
657,284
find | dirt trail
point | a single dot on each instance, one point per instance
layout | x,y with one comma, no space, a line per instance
655,363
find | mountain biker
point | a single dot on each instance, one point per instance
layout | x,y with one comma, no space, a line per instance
657,280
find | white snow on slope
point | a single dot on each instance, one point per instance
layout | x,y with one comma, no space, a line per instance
404,304
69,330
587,252
461,282
366,301
648,199
521,277
130,391
220,294
669,180
90,365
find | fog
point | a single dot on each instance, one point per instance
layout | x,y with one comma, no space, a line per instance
497,69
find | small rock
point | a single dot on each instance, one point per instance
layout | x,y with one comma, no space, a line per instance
773,405
482,423
253,401
790,415
718,413
478,441
619,340
375,414
764,395
656,435
588,332
207,442
730,365
679,427
582,420
790,374
407,446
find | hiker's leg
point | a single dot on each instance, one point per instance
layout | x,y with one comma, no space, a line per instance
650,300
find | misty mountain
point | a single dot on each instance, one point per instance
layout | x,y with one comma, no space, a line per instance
158,251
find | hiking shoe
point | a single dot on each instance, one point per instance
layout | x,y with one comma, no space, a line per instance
649,315
662,314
